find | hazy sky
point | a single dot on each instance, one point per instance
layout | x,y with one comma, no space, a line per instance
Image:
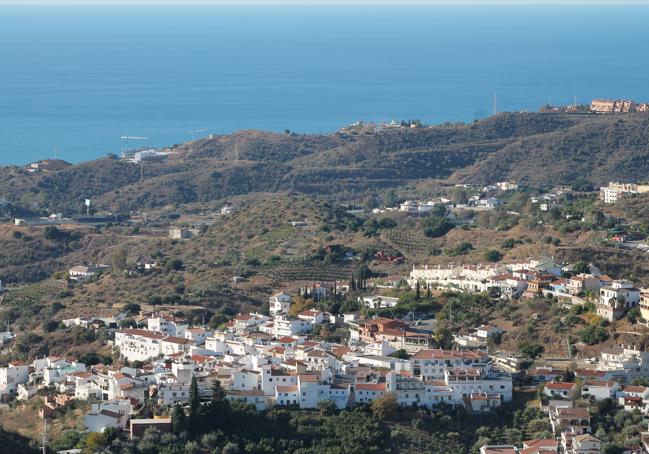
316,2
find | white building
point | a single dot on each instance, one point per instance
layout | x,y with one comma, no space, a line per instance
615,299
138,344
102,415
82,272
280,303
624,362
615,191
379,302
171,326
11,376
249,396
600,389
197,335
312,316
284,326
172,345
432,364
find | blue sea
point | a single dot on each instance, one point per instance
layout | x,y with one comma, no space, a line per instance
76,79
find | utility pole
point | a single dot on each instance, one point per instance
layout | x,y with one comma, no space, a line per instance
44,436
450,316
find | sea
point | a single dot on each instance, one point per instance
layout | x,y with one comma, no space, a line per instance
74,80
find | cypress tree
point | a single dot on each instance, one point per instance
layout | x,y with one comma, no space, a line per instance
178,420
194,407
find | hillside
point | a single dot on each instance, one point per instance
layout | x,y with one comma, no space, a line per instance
348,165
601,149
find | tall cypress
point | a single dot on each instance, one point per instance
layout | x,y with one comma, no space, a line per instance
194,407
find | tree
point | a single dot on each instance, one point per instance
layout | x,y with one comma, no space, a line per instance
53,233
50,325
509,243
230,448
178,420
460,249
593,334
370,203
194,406
633,315
401,354
530,350
132,308
118,262
389,198
385,406
436,226
69,439
94,442
417,292
218,393
300,304
582,185
581,267
174,265
327,407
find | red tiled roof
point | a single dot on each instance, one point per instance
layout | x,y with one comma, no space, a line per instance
142,332
286,389
448,354
576,412
602,383
310,313
177,340
308,378
560,385
634,389
540,442
370,387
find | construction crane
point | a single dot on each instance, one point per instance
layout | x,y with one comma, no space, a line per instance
193,132
126,139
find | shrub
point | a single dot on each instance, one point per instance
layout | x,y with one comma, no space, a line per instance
460,249
493,256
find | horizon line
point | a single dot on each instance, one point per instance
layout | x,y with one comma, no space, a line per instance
336,3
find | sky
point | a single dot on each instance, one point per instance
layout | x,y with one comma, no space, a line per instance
321,2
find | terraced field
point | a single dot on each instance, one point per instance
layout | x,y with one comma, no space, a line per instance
410,241
300,271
